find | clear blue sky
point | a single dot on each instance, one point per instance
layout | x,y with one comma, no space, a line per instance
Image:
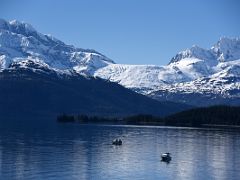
130,31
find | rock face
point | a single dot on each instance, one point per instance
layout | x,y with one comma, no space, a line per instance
195,76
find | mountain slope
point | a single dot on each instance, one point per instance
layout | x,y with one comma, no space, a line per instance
46,93
20,41
195,76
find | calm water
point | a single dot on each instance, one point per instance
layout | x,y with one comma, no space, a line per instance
67,151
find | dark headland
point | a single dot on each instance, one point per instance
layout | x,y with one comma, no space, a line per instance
198,117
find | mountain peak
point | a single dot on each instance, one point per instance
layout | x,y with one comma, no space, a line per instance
225,42
227,49
18,27
225,39
21,25
15,22
20,41
193,52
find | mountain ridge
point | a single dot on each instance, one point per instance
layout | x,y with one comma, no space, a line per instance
210,72
45,94
20,41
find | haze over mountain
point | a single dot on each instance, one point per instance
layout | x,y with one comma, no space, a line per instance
194,76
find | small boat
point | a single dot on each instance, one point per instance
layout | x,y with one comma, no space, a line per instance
166,157
117,142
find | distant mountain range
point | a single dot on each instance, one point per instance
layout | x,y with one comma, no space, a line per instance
41,77
195,76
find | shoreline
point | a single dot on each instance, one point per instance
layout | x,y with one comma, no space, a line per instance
221,126
210,126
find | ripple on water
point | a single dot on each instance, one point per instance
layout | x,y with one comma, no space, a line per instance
85,152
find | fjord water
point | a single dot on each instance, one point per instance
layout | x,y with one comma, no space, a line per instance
74,151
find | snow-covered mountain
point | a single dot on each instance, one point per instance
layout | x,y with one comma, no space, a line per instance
195,76
21,42
192,76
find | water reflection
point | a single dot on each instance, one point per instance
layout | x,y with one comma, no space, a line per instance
85,152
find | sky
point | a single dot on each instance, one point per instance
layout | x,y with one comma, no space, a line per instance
130,31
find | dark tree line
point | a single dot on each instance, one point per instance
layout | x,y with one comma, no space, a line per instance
219,115
65,118
215,115
84,119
